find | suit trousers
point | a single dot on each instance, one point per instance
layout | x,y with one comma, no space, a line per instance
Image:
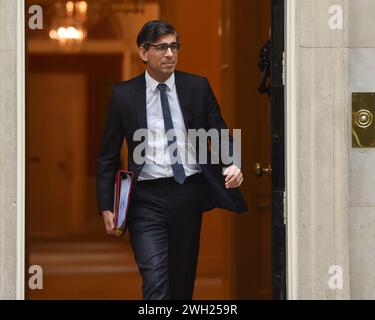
164,224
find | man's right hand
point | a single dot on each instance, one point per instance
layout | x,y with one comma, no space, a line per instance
108,218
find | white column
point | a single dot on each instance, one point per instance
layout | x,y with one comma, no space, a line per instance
317,150
12,127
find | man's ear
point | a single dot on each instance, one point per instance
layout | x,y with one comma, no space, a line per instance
143,54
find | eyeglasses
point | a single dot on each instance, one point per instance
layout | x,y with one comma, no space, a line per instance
163,47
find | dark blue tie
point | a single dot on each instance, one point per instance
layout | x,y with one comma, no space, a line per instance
178,168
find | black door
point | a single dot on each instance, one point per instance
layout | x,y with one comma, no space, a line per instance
278,150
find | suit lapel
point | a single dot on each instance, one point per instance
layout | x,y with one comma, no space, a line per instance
184,97
140,101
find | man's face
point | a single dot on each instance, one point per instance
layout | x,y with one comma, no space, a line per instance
161,62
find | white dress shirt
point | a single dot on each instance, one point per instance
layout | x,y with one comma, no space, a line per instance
158,160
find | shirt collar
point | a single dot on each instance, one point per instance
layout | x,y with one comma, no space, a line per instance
152,83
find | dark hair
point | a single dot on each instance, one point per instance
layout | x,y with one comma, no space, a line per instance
153,30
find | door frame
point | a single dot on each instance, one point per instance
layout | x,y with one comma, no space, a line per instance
291,160
291,149
21,150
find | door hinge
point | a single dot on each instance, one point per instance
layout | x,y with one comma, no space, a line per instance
284,207
284,68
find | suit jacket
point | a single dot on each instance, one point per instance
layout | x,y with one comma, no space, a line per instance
127,113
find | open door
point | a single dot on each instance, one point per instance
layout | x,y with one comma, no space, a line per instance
271,62
278,150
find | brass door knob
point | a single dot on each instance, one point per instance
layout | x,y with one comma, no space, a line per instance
260,170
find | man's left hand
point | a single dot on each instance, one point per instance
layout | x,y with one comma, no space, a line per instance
234,177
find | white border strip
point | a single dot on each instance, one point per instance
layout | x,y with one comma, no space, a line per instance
291,150
20,284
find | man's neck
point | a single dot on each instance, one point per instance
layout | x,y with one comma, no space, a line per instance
159,78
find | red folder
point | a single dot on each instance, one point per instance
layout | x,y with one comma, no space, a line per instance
123,190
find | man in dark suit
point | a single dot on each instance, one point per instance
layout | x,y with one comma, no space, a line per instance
169,197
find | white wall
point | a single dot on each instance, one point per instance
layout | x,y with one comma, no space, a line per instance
318,150
11,169
362,172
